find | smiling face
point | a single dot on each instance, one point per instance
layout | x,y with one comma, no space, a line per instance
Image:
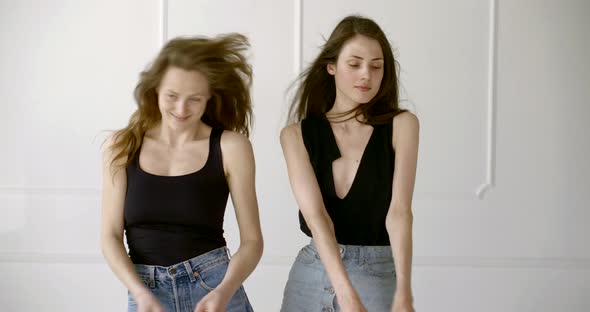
182,97
358,71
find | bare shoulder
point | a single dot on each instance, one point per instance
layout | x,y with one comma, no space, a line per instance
237,153
406,128
291,133
233,141
406,121
114,159
110,149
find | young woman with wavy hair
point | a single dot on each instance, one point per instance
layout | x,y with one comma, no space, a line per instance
168,175
351,155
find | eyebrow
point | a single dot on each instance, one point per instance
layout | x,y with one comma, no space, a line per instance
360,58
194,94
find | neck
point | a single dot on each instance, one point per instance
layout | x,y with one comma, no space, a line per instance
176,138
344,112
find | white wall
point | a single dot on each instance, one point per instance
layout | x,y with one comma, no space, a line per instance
501,89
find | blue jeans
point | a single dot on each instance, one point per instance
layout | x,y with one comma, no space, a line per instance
370,269
181,286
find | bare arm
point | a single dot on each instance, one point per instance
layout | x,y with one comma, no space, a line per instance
112,227
309,198
238,159
399,217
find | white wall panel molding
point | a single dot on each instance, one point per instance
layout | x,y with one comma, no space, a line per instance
163,21
452,196
298,36
503,262
49,190
491,103
489,164
44,257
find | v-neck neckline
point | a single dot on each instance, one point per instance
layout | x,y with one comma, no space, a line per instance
332,136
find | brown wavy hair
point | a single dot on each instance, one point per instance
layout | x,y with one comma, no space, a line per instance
316,92
221,59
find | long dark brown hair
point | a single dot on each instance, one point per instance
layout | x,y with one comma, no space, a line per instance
316,92
221,60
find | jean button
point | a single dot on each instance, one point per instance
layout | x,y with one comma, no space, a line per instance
172,271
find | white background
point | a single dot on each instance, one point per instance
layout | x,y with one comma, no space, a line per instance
501,89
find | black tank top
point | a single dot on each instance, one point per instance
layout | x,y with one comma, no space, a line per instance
359,218
170,219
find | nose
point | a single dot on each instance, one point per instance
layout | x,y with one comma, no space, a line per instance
365,73
181,107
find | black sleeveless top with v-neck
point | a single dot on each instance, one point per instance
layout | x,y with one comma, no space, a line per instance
359,217
170,219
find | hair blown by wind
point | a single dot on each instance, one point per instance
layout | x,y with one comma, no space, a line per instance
316,90
221,59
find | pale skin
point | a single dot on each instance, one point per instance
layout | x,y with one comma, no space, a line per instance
358,74
180,145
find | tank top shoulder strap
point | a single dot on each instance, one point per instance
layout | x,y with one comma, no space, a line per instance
310,134
135,161
319,139
388,128
215,155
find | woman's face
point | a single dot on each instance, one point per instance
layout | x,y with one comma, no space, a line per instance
358,71
182,97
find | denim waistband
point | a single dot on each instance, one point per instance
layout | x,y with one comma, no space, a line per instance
360,252
190,268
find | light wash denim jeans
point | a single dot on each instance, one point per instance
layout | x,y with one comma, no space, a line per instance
370,269
181,286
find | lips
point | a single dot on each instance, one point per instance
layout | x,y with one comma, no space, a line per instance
363,88
180,118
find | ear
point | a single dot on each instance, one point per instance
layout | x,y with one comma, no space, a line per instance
331,68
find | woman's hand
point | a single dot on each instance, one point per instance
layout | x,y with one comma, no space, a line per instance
402,303
213,302
147,302
352,303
